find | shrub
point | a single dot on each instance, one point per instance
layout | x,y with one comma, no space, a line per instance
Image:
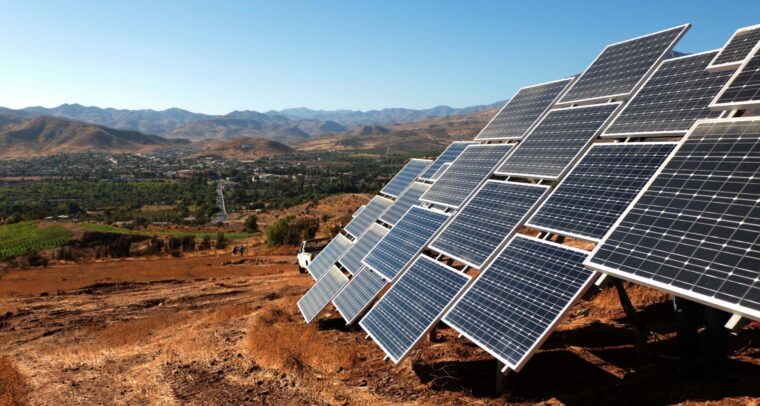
251,225
221,243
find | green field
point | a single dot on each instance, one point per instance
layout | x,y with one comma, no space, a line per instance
105,228
25,237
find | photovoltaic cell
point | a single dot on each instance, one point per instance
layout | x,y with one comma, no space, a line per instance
358,294
487,220
359,224
327,257
517,301
441,171
405,176
743,89
599,188
412,306
321,293
410,197
557,141
621,67
447,156
672,100
737,49
522,111
465,174
694,230
352,259
405,240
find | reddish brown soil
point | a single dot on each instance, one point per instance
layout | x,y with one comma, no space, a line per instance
178,331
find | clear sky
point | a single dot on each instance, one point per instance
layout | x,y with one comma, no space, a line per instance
215,57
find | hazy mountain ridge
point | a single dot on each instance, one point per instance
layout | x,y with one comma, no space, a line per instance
145,121
354,118
283,125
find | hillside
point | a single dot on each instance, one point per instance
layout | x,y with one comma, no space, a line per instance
429,135
50,135
245,148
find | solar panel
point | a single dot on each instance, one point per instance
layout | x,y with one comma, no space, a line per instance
352,259
517,301
557,141
736,49
522,111
359,224
405,240
677,95
358,294
465,174
405,176
321,293
599,188
618,70
440,171
447,156
409,198
743,89
412,306
327,257
359,210
487,220
694,229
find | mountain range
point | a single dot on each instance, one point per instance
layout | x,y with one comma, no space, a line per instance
283,125
76,128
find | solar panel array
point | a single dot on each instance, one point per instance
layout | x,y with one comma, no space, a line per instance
695,230
358,294
621,67
522,111
405,176
321,293
409,198
743,89
737,49
557,140
352,259
465,174
600,187
413,305
407,238
359,224
518,299
327,257
680,217
677,95
487,220
447,156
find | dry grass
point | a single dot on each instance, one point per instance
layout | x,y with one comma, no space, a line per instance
13,387
276,340
133,332
230,312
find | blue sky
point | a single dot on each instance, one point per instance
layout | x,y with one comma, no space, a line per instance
215,57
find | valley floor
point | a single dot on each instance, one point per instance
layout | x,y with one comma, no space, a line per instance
195,331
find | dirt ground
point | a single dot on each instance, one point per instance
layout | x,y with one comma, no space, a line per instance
193,331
